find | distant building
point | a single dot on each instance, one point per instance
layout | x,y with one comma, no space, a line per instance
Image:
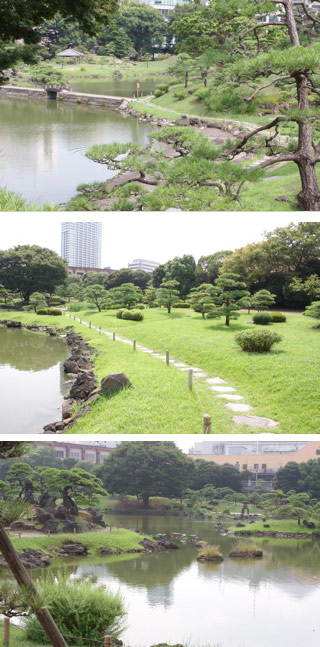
262,458
83,270
81,244
165,6
142,264
95,452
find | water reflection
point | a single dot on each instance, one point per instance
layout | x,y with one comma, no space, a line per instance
31,380
43,145
171,597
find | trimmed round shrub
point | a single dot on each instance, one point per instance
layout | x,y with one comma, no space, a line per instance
257,341
54,312
83,612
140,306
119,313
182,304
180,94
262,318
278,317
125,314
136,315
43,311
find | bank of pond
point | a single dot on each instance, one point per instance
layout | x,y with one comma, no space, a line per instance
171,597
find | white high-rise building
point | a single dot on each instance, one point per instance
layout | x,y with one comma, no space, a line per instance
81,243
142,264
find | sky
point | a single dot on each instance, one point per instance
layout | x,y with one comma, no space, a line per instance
153,236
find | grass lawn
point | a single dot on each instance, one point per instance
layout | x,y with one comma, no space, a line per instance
17,637
117,538
276,525
282,385
10,201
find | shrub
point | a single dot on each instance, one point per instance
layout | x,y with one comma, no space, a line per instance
163,87
43,311
54,312
140,306
182,304
257,341
136,315
76,306
180,94
278,317
158,93
201,93
210,553
262,318
163,57
313,310
82,612
119,313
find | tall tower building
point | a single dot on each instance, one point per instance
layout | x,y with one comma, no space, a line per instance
81,243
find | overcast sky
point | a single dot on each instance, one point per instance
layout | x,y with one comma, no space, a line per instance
156,236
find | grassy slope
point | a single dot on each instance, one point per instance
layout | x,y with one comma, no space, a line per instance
17,637
283,525
117,538
10,201
282,385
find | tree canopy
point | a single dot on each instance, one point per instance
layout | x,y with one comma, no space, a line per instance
147,469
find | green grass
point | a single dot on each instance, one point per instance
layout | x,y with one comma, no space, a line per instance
275,525
117,538
10,201
282,385
17,637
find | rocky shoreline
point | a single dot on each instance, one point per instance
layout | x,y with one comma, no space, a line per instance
276,534
78,368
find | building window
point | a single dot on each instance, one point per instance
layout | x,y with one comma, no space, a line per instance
90,456
264,466
245,466
256,466
75,453
318,452
59,453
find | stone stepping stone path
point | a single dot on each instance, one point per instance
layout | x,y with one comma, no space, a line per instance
217,385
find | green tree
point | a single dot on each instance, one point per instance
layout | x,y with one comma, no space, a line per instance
201,298
313,310
37,300
150,296
262,300
147,469
310,287
75,486
309,478
229,290
168,294
30,268
126,295
20,22
6,296
287,477
207,269
182,269
181,68
97,294
145,26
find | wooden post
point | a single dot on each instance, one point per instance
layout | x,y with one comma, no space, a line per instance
80,320
167,358
107,641
24,581
6,635
100,329
134,345
206,424
89,324
113,336
190,374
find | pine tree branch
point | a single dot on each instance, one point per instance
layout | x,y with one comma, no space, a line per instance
278,158
262,87
254,28
251,134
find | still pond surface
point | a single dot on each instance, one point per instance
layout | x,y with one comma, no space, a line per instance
43,145
170,597
32,382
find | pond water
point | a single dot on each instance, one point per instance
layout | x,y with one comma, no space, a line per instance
117,87
31,380
43,145
170,597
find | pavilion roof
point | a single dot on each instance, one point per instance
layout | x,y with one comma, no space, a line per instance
69,52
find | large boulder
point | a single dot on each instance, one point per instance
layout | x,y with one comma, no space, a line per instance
67,406
83,386
74,549
114,382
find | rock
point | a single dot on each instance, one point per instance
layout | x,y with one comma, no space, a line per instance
123,178
22,525
168,544
282,198
183,121
240,525
147,544
308,524
67,408
255,421
248,553
14,324
74,549
114,382
83,386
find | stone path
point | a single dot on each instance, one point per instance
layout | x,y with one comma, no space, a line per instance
217,386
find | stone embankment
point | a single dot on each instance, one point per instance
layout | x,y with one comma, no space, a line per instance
276,534
64,96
